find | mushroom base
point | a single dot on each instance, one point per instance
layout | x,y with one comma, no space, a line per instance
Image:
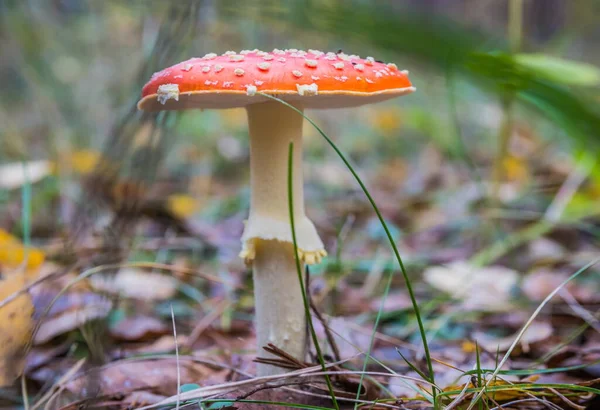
279,306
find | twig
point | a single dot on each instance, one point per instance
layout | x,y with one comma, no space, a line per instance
332,343
568,189
205,322
329,335
566,400
176,357
580,310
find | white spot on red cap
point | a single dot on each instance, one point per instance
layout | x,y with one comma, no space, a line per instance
258,82
264,66
167,92
209,56
268,57
229,53
239,72
236,57
369,81
315,78
278,51
206,69
218,68
405,72
359,67
307,89
369,61
244,52
281,59
178,76
392,66
227,84
250,89
297,73
187,67
310,63
339,65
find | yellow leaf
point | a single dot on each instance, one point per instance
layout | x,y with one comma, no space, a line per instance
13,253
15,328
84,161
468,346
387,120
503,395
515,169
182,205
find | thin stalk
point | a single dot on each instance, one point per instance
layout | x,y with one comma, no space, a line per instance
313,334
26,213
515,37
392,244
515,24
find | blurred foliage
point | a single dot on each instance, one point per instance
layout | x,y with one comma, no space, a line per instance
449,47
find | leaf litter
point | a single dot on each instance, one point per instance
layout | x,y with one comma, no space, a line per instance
107,341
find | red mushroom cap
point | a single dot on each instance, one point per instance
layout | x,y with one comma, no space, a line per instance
314,78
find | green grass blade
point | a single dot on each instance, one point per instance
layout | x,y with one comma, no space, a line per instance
528,323
301,279
391,241
479,372
413,367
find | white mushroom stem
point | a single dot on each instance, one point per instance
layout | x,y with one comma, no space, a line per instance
279,307
273,126
267,240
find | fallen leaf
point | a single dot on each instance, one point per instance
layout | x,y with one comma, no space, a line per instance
536,332
483,288
84,161
539,284
13,254
136,284
157,376
500,396
70,311
139,327
386,120
515,169
181,205
17,174
15,328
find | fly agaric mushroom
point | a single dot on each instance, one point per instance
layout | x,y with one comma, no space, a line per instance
310,79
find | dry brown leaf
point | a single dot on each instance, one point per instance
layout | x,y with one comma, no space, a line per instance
157,376
480,288
134,283
536,332
15,328
69,312
138,328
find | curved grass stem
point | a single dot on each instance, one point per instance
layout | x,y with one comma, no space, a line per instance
392,244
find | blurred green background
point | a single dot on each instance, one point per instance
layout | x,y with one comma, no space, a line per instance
506,111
